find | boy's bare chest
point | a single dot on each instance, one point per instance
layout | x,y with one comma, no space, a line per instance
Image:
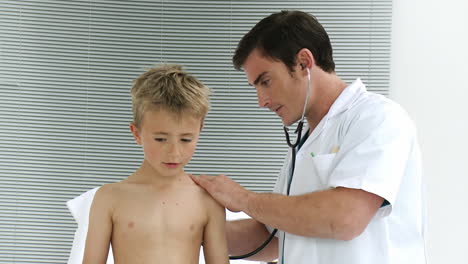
155,214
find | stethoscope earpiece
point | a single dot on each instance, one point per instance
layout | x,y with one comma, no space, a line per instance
307,69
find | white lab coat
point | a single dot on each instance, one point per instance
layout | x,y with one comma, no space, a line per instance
364,142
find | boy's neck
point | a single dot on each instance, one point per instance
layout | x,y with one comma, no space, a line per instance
147,175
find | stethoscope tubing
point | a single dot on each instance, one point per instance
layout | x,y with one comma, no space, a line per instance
293,147
293,165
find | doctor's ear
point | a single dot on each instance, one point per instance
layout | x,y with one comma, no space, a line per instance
305,59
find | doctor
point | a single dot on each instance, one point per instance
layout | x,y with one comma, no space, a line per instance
354,194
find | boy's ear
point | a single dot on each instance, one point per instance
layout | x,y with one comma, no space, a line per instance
202,124
136,133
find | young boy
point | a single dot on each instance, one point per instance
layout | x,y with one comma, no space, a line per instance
158,214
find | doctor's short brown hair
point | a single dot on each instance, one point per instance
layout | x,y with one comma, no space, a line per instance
280,36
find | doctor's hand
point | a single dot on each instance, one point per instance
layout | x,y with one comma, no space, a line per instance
224,190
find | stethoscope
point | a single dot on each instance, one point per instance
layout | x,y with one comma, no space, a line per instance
293,147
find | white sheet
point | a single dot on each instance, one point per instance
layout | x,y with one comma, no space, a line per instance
79,208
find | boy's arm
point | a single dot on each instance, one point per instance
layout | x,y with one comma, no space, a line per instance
214,235
99,229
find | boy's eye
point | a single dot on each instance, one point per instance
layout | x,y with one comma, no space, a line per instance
160,139
186,140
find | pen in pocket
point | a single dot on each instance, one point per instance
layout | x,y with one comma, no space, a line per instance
335,149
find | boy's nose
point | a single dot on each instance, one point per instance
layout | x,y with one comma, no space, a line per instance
173,149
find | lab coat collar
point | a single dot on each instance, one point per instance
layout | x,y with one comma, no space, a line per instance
347,98
344,101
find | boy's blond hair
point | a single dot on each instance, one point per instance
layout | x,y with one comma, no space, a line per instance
170,88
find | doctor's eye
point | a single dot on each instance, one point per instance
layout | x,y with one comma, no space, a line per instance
265,82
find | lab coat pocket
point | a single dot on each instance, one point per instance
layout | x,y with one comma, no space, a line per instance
323,164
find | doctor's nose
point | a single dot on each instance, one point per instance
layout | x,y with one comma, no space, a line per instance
263,100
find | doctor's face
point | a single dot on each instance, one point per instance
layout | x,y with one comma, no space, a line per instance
277,89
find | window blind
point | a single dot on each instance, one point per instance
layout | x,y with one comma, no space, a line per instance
66,69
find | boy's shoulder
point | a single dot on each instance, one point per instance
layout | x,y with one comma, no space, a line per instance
209,202
198,190
199,195
110,188
110,191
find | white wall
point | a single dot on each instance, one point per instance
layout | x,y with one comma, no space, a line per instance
430,79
